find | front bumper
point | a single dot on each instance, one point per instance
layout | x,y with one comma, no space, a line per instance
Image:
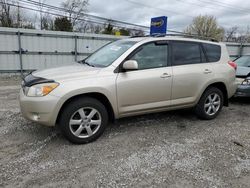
243,91
42,110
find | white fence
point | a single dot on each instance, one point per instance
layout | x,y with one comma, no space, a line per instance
24,49
236,49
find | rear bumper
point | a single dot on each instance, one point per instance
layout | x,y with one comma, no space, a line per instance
243,91
42,110
232,89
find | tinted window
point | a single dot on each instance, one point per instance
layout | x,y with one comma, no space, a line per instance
185,53
151,55
213,52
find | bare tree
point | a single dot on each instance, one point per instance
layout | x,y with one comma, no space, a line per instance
206,26
137,32
98,29
87,27
46,21
230,34
248,34
237,34
11,16
83,27
243,35
109,28
75,10
41,8
6,17
18,15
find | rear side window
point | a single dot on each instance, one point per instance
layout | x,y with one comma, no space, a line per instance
213,52
185,53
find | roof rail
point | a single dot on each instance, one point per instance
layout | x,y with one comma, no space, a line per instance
194,36
181,35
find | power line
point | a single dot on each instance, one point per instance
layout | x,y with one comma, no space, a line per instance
226,5
83,14
211,3
191,3
60,15
120,24
152,7
92,16
217,4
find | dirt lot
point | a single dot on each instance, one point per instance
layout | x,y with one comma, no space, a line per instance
171,149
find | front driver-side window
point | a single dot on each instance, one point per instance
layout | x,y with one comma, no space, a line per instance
151,55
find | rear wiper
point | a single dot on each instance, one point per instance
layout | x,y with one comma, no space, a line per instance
84,62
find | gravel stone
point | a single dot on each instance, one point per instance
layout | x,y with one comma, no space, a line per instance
169,149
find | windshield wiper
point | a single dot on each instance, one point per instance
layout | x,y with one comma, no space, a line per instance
84,62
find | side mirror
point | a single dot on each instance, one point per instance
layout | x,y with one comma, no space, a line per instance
130,65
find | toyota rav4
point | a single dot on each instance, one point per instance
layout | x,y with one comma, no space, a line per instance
130,77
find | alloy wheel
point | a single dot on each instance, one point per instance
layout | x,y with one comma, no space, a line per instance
85,122
212,104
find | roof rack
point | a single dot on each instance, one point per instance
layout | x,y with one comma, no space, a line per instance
181,35
190,36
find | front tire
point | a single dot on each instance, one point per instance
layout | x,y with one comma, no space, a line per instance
210,104
83,120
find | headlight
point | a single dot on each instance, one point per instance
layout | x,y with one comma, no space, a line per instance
40,90
246,82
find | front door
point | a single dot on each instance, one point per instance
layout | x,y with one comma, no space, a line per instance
149,87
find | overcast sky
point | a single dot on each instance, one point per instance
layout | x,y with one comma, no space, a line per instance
180,12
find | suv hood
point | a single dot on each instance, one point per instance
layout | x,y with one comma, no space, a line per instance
67,72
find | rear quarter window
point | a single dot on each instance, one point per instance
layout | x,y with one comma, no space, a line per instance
213,52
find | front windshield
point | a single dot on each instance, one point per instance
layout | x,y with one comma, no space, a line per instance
243,61
109,53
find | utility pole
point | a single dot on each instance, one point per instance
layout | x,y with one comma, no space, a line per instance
18,16
41,14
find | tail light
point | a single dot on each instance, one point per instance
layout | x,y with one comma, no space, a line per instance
233,64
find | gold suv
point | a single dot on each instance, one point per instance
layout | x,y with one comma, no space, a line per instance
130,77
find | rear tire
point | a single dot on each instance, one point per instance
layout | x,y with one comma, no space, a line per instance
210,104
83,120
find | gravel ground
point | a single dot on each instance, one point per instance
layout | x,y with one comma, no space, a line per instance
171,149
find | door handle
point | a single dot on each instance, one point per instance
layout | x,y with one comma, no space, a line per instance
165,75
207,71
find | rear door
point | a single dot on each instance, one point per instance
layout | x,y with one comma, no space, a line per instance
190,72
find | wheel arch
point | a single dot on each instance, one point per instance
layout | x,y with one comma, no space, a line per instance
99,96
223,88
